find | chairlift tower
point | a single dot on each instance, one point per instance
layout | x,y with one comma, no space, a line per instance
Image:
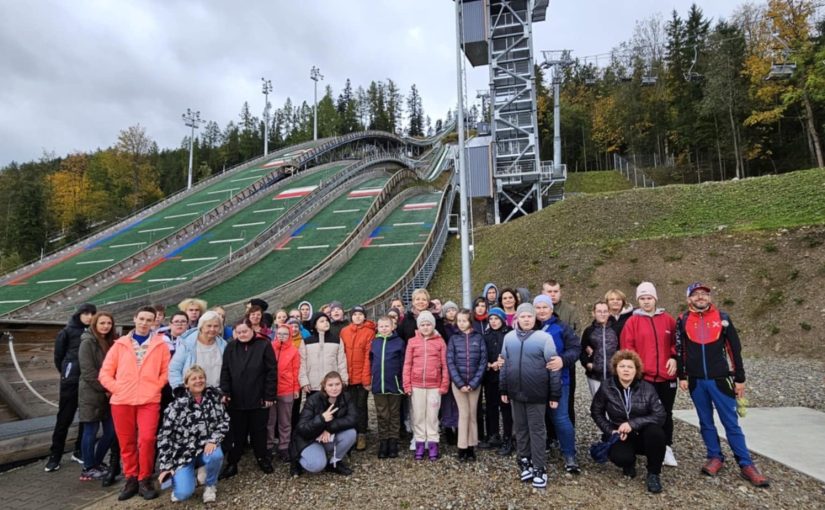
556,61
499,33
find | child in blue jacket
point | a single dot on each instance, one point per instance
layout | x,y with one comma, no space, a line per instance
386,366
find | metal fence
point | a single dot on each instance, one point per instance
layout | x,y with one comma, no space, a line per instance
632,171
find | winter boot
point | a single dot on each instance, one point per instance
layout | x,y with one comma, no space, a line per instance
506,447
419,450
146,488
433,451
471,454
392,449
462,454
383,449
114,470
129,489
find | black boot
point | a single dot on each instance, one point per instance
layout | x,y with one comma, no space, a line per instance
129,490
383,449
266,465
146,488
295,469
114,470
228,471
393,449
506,447
462,454
471,454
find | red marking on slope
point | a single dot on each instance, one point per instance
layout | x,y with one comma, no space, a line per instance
132,278
20,280
419,206
283,243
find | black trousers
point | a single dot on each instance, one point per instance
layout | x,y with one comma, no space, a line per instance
483,431
667,395
66,409
359,395
493,406
650,442
250,422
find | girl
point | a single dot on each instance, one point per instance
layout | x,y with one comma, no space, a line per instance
494,339
288,359
320,355
386,361
509,301
248,382
480,324
425,378
193,427
599,343
466,360
93,403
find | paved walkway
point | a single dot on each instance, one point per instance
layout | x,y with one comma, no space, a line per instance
767,433
30,488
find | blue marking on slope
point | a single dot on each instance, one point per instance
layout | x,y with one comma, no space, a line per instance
375,232
113,235
185,246
300,229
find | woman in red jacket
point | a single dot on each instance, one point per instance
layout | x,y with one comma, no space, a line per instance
651,333
289,389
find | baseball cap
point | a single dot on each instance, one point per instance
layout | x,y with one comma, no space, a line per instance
693,287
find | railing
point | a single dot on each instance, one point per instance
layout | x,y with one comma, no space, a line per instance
259,247
632,172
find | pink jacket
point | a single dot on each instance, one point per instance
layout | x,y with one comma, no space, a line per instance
128,384
425,364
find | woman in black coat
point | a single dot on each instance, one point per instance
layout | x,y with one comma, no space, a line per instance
248,382
629,407
326,427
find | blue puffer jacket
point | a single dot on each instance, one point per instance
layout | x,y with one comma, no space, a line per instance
524,376
186,355
387,364
467,359
567,344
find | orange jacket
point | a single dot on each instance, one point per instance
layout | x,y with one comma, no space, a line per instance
289,367
357,341
128,384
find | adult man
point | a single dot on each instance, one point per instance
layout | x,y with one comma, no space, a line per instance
135,370
66,347
709,359
566,314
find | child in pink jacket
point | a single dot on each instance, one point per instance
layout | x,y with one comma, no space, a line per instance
426,378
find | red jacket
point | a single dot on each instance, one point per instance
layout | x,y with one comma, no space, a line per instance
654,340
357,341
425,364
289,366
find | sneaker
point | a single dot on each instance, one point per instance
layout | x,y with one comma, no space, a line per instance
713,466
539,478
629,471
571,465
53,464
751,474
525,469
654,484
77,457
129,489
295,469
173,498
670,459
92,474
201,475
412,444
209,494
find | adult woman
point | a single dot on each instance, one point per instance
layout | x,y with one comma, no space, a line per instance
255,316
193,427
620,310
280,317
93,402
203,347
227,329
326,427
420,303
509,301
248,382
628,406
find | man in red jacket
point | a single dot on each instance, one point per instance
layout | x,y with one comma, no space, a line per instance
651,333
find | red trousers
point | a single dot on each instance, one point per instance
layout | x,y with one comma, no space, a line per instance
136,428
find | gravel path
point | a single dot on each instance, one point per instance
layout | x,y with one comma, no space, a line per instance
492,482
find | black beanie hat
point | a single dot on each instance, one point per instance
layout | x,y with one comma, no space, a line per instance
86,308
314,319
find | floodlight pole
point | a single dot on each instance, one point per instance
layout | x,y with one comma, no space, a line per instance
315,75
462,168
267,88
191,119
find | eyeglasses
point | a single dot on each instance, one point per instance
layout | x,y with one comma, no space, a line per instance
283,335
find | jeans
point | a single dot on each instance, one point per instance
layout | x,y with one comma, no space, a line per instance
560,418
706,394
94,449
314,457
183,481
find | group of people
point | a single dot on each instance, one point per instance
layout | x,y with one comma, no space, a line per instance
183,399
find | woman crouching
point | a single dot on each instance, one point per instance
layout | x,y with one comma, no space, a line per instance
326,427
194,425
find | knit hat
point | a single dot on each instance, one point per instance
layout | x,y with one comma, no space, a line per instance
358,309
646,289
693,287
541,298
498,312
525,308
259,302
86,308
425,316
448,305
335,304
314,319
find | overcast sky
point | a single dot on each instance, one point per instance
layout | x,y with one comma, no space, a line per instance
74,73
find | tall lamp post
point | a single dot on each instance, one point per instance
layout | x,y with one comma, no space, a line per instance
315,75
267,88
192,120
462,167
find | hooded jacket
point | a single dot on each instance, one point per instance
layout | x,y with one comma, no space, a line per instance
524,376
187,426
319,356
288,358
567,344
304,323
603,340
249,375
186,355
66,347
357,340
653,338
130,384
617,323
311,422
487,287
425,364
638,404
92,401
387,364
708,346
467,359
